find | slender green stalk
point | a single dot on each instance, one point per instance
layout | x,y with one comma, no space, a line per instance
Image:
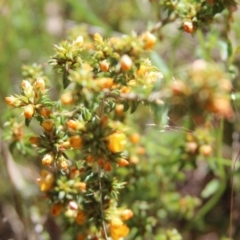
219,150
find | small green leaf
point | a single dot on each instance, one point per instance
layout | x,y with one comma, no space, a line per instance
61,195
134,106
210,188
27,121
65,79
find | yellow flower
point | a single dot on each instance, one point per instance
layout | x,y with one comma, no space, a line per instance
116,142
118,229
46,180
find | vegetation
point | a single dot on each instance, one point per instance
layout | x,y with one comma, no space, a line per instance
129,130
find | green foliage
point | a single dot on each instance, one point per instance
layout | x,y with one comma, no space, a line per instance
124,139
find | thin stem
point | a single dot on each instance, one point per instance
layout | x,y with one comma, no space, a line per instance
219,148
101,204
231,200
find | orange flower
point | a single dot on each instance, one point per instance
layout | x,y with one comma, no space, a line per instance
76,141
116,142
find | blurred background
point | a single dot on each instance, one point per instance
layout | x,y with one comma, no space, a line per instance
28,31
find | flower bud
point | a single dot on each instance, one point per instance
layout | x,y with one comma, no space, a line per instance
79,40
134,160
82,186
134,138
107,166
188,27
56,209
104,121
104,82
122,162
76,141
39,84
98,38
10,101
47,125
191,147
205,150
126,214
119,109
104,65
65,145
35,140
67,98
140,150
149,40
73,205
26,85
47,159
81,217
125,63
29,111
45,112
63,165
72,124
